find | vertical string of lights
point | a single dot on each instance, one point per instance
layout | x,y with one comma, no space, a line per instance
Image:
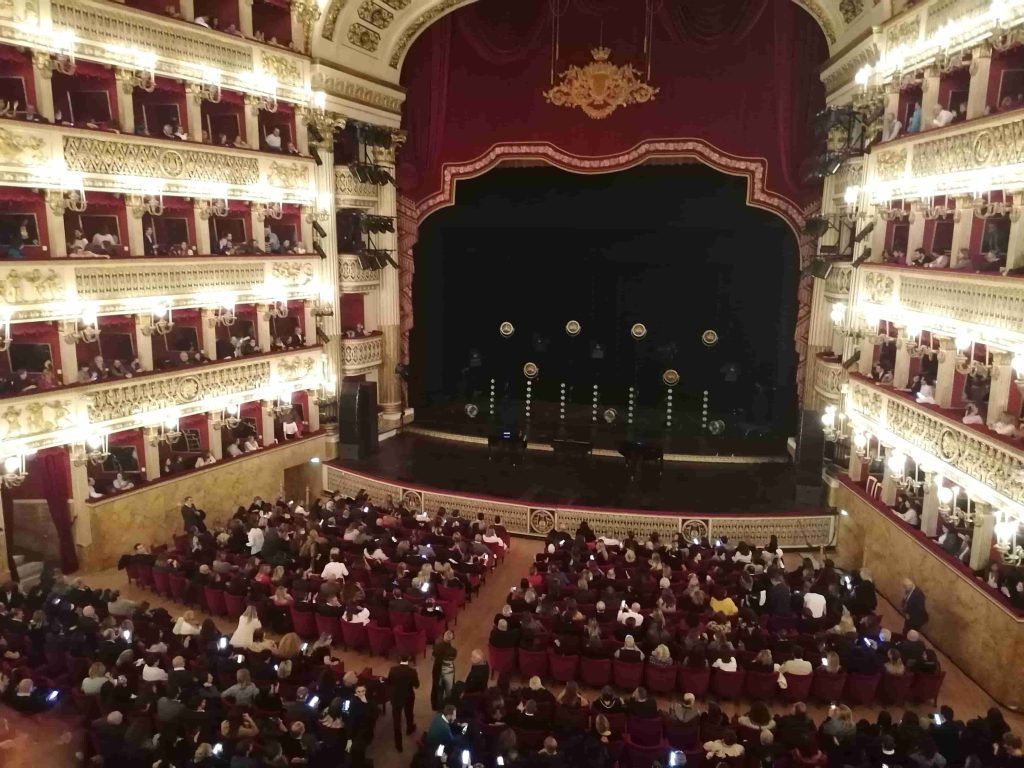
651,9
631,400
704,411
668,408
596,398
561,402
490,409
558,10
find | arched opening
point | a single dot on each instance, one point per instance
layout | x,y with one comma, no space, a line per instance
675,247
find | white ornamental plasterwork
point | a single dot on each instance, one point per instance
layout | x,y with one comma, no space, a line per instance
30,285
132,397
542,521
829,378
351,192
945,12
878,287
792,532
363,37
143,280
355,279
36,417
867,401
100,22
149,160
288,175
361,354
292,273
839,281
345,87
412,500
348,485
375,15
890,166
991,304
851,9
292,369
902,33
21,148
401,45
285,70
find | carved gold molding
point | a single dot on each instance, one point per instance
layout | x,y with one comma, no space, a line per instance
361,354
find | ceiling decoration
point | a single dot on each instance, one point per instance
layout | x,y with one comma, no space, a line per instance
363,37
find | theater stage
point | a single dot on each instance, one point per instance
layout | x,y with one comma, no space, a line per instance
757,486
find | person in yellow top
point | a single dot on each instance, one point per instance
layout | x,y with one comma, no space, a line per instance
721,603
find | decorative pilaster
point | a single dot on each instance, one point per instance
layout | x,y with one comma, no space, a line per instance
152,458
245,17
216,443
962,222
901,370
194,111
42,76
267,416
390,385
68,359
125,101
209,330
977,93
136,234
81,515
263,327
930,506
929,101
982,539
999,386
188,10
203,245
55,222
888,494
144,342
945,377
1015,246
857,466
251,112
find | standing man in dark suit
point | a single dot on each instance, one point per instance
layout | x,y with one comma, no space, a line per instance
778,601
192,516
403,681
914,612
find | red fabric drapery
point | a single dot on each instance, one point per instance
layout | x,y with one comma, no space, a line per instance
55,467
710,23
103,202
20,196
13,55
7,504
504,42
89,70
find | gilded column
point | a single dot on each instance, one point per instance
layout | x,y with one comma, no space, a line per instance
999,391
962,224
945,377
901,370
143,342
252,115
202,220
216,443
152,456
42,76
977,91
245,17
390,385
263,327
136,235
930,507
984,533
929,98
267,415
55,222
125,102
209,331
194,111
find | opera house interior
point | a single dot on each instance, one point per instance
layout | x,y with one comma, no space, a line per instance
512,383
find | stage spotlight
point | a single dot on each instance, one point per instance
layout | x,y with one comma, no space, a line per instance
316,155
864,232
314,134
852,360
821,268
319,250
610,415
862,258
816,226
320,231
472,411
716,427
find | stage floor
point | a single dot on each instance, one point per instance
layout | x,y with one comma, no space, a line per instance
594,481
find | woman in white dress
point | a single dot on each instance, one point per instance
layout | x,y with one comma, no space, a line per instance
248,623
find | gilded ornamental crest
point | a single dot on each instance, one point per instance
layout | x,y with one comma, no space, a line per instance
600,87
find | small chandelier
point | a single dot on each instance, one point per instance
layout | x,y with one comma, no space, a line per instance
276,310
160,322
888,213
13,471
209,89
166,432
965,363
927,208
831,423
985,208
230,417
272,210
217,206
281,406
224,314
74,201
85,329
94,450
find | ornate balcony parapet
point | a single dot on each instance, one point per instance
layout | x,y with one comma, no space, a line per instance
111,33
60,416
524,520
990,307
349,192
839,282
46,290
961,159
976,462
361,355
30,153
355,279
829,378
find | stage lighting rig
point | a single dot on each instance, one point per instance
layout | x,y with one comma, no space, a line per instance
840,133
320,231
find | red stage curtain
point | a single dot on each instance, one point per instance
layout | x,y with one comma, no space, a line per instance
505,40
711,22
8,512
55,473
20,195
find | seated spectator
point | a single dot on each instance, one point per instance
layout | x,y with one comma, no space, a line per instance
723,748
608,702
894,663
641,705
244,691
721,602
726,662
796,665
661,656
629,651
757,718
684,710
96,679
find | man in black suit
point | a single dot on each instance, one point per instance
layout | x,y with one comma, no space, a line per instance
109,735
192,516
779,599
180,679
403,682
914,611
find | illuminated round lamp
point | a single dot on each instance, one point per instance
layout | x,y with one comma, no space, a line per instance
670,377
573,328
12,465
945,496
897,463
506,329
1018,363
716,427
860,441
472,411
610,415
638,331
838,313
530,370
962,341
709,338
1006,531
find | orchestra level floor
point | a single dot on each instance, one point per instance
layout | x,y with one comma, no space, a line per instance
53,739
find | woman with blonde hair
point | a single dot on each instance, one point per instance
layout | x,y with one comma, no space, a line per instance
244,691
831,664
186,624
95,680
661,656
894,663
248,623
290,647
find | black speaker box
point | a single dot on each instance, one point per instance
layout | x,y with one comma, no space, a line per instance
810,452
357,419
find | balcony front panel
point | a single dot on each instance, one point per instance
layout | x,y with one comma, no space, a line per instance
839,281
970,459
355,279
829,378
56,417
977,155
361,355
990,307
47,291
109,33
30,153
349,192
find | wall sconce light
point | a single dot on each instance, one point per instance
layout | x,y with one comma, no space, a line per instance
160,322
1006,532
277,309
209,89
217,206
860,443
230,417
166,432
264,92
64,48
828,423
144,76
224,313
272,210
84,329
281,405
12,471
927,208
887,213
985,208
93,450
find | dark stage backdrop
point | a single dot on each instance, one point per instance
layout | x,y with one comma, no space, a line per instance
673,247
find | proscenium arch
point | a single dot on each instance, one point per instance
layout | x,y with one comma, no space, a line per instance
410,18
411,214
